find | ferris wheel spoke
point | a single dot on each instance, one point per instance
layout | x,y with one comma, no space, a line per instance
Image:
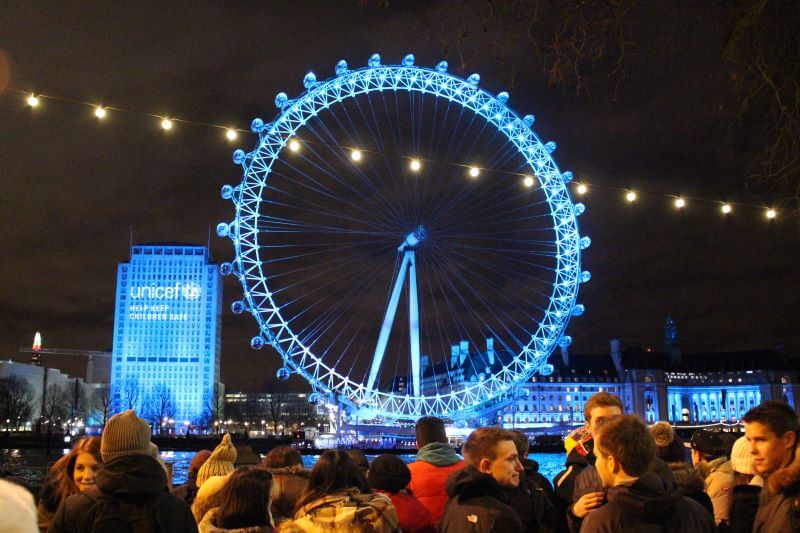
508,271
324,213
498,291
386,205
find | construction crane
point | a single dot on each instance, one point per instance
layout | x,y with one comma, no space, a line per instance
37,350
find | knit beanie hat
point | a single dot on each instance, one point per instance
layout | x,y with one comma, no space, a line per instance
741,458
220,463
125,434
389,473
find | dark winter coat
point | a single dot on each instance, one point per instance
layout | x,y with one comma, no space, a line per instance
186,492
477,503
779,502
692,484
128,487
650,505
532,504
743,509
532,471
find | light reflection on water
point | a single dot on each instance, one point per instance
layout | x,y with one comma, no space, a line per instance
32,464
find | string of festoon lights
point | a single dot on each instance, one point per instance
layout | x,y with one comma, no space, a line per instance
415,163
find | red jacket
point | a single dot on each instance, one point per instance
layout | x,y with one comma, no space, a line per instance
427,485
414,517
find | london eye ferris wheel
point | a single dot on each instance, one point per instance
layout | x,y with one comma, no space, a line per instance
405,241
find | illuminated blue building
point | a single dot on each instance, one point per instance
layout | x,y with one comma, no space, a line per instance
167,333
684,389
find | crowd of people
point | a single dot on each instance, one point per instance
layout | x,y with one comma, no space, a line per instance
619,475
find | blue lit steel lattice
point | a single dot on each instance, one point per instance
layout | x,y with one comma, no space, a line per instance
332,248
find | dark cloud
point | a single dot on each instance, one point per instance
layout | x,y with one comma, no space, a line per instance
73,188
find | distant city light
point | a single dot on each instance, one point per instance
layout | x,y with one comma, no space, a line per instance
166,124
33,101
415,165
771,213
231,134
528,181
582,189
294,145
355,155
680,203
99,112
474,172
631,196
37,341
726,208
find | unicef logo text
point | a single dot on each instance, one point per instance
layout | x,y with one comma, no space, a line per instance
187,291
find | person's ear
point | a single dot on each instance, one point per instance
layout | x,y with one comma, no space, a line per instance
613,465
789,440
485,466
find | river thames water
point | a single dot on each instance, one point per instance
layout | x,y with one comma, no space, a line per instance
32,463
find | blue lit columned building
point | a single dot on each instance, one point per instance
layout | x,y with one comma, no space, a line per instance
166,354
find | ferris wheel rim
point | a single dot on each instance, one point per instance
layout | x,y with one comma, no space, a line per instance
273,328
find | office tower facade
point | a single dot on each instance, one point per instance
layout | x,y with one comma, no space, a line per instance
167,334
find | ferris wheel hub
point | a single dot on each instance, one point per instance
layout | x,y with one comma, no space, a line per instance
413,239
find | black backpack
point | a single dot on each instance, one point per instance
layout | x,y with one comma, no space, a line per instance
119,516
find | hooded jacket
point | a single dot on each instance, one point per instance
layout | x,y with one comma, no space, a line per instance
208,525
133,483
477,503
429,472
718,476
532,504
779,502
288,484
346,511
651,504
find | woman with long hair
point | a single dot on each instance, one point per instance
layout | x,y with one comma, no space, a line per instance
242,504
70,475
338,499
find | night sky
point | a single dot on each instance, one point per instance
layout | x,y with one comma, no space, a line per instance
74,187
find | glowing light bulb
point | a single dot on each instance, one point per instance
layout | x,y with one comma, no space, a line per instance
528,181
356,155
474,172
680,203
415,165
32,100
726,208
294,145
582,189
771,213
631,196
166,124
99,112
231,134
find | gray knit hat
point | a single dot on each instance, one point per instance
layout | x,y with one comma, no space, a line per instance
125,434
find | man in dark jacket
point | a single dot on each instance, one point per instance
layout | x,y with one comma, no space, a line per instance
772,429
639,500
130,492
532,499
478,498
